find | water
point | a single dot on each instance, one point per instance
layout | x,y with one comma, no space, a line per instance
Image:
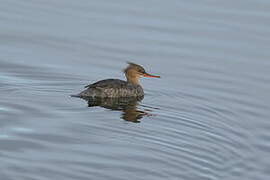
206,118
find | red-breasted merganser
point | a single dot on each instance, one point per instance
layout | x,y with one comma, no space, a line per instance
115,88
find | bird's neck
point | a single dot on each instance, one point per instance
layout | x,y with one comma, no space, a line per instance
132,79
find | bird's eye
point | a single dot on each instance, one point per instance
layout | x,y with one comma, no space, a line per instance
141,71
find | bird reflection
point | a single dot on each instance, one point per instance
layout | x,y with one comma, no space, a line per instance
127,105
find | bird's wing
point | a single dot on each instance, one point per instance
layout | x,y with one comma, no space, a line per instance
106,83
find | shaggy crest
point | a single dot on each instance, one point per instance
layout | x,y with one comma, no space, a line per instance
135,67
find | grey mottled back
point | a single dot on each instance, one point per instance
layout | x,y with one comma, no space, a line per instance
112,88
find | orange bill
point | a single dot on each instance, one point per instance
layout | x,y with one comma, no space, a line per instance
150,75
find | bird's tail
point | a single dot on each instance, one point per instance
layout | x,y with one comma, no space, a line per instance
75,95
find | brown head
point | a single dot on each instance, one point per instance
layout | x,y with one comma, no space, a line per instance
134,71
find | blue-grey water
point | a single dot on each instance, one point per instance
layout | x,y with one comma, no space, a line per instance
208,117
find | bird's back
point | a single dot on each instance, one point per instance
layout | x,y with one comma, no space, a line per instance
112,88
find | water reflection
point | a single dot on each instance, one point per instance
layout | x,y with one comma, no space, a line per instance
127,105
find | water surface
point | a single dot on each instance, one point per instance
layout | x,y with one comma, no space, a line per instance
206,118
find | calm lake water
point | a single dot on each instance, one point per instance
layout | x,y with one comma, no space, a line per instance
206,118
